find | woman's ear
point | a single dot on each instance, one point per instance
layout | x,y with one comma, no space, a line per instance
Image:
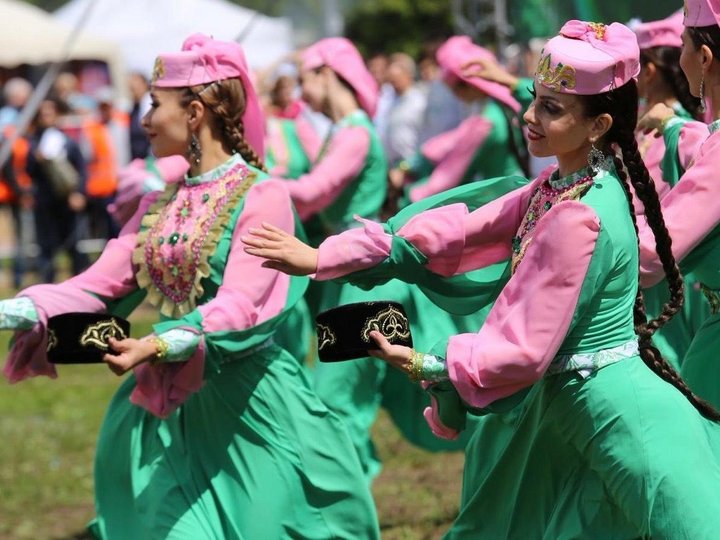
196,112
706,58
600,125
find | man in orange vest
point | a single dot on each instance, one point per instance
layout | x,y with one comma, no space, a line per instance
16,193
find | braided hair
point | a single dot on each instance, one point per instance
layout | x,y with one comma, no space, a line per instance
705,35
621,105
667,62
226,100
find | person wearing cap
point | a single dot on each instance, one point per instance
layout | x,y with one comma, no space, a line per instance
347,182
593,450
661,80
487,144
691,208
216,434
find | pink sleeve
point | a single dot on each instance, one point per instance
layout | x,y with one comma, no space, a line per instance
249,294
453,239
344,160
448,172
436,148
532,316
309,138
112,276
692,137
691,211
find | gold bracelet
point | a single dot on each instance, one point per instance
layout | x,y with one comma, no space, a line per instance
404,166
161,349
415,365
664,123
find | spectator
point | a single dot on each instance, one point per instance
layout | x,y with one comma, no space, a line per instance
140,94
406,113
377,66
16,92
57,169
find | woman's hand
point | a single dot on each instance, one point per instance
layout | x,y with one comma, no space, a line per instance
131,353
282,250
655,119
490,71
395,355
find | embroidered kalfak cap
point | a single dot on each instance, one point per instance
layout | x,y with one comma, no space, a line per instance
344,332
589,58
458,51
700,13
340,55
663,33
204,60
82,338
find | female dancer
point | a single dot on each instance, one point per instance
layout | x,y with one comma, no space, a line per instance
593,450
485,145
691,208
217,433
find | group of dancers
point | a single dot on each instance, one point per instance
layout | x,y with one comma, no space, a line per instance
564,326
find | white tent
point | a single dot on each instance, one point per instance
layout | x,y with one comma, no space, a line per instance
29,35
144,28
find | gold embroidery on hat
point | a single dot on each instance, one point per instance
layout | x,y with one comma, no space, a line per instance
158,69
100,333
325,336
598,28
52,340
561,77
390,322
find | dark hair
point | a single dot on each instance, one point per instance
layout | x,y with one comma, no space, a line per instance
667,61
621,105
518,150
226,100
705,35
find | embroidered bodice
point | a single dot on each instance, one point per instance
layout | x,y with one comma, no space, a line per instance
549,193
180,231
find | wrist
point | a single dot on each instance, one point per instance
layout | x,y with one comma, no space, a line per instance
157,349
665,121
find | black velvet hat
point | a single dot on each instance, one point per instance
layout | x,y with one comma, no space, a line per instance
344,332
82,338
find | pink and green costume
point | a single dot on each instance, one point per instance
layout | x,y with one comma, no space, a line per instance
224,439
589,448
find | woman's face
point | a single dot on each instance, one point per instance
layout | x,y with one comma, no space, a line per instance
691,63
314,89
167,123
557,126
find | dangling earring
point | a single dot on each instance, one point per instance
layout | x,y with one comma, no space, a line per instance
194,152
595,158
702,107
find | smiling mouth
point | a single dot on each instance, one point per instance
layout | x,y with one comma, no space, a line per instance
534,135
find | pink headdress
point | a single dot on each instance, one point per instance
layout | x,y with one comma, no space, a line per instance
700,13
204,60
663,33
340,55
589,58
458,51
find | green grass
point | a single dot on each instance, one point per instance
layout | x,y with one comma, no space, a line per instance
48,430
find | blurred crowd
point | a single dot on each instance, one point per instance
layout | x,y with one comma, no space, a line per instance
65,172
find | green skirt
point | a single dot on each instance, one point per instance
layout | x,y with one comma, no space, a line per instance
253,454
356,389
619,455
701,367
673,340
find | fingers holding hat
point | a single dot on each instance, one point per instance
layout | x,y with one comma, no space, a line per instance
397,355
129,353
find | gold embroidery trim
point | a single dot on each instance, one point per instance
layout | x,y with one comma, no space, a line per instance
561,77
52,340
100,333
155,296
158,70
326,336
390,322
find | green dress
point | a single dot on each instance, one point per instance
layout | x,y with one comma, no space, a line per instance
588,445
356,390
250,452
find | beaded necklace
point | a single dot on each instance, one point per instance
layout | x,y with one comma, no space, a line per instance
549,193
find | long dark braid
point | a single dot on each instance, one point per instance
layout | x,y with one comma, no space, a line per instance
667,62
226,100
621,104
519,150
